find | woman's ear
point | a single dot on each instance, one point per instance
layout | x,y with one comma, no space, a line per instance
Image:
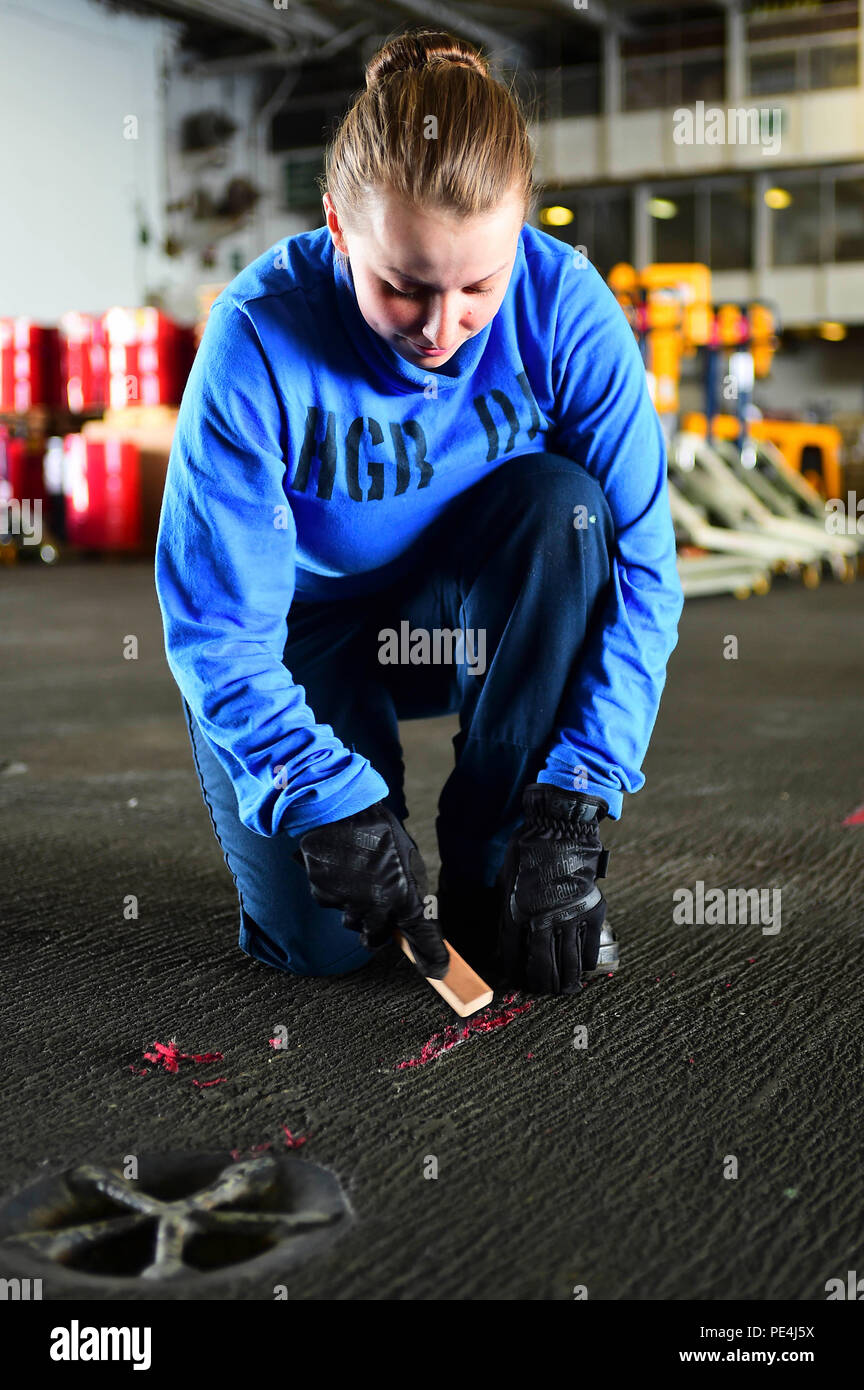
335,226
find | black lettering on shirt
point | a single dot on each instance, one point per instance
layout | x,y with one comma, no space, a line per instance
324,450
352,461
413,430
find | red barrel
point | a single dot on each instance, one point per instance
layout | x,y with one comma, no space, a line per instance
29,365
102,487
149,357
84,361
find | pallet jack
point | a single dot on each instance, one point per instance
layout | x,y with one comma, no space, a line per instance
741,512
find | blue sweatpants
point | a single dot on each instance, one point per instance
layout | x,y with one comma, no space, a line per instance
504,558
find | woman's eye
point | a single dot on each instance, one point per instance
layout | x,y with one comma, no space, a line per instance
413,294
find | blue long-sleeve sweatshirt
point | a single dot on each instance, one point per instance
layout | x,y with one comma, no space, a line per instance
309,457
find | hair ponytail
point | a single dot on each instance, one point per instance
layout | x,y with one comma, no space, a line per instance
434,126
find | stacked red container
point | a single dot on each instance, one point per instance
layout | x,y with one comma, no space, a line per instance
29,365
84,361
7,364
149,357
13,453
103,493
22,489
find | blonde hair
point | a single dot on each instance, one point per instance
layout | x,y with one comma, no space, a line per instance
434,126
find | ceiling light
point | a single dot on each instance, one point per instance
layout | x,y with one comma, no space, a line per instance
556,216
662,208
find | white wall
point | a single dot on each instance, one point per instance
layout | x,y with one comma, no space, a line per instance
74,190
70,184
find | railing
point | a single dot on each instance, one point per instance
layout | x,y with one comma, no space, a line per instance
819,63
673,79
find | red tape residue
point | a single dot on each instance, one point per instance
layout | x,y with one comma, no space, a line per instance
856,818
169,1056
453,1035
255,1149
292,1141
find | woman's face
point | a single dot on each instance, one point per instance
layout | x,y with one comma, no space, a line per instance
425,279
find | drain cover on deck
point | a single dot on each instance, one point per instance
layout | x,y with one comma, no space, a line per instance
187,1216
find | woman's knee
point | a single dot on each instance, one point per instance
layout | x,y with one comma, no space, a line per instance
557,494
313,954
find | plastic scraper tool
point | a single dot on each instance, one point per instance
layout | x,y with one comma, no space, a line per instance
461,987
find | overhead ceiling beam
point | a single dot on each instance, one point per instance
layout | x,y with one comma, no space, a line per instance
438,12
244,62
279,26
313,23
302,54
600,14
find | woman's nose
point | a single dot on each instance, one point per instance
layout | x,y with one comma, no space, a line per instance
442,323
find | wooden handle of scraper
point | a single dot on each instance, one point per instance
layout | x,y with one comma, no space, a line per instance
461,987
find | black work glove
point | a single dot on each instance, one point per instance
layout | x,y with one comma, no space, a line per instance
368,866
552,909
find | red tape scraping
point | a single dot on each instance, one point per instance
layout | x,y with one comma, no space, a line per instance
856,818
255,1149
294,1141
170,1056
452,1035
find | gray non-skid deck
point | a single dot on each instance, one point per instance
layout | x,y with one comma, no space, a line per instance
557,1166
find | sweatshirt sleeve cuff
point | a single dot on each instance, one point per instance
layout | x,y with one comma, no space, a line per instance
613,796
368,788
